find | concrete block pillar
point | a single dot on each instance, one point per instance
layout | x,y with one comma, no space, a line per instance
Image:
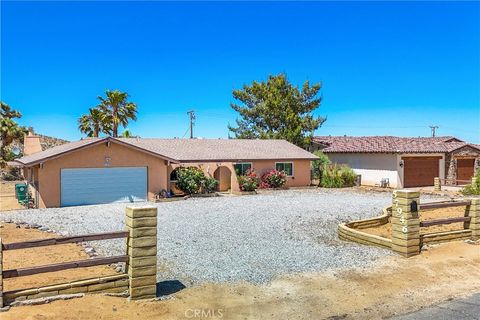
473,211
405,222
1,275
141,223
437,186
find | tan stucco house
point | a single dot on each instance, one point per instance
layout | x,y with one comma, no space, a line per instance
403,162
104,170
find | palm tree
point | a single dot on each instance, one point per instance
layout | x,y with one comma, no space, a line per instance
127,134
117,110
93,123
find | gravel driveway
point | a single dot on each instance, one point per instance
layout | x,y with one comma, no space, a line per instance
248,238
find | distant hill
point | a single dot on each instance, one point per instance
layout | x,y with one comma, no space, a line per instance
50,142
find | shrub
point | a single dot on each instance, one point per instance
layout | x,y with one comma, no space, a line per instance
248,182
319,166
273,179
210,185
10,174
338,176
473,188
192,180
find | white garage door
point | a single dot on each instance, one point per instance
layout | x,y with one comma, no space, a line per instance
82,186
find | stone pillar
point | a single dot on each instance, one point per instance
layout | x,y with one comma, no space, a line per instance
437,186
473,211
406,222
141,223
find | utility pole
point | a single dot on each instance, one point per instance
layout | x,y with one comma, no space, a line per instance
433,130
191,113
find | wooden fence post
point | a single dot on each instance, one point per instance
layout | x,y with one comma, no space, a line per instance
141,223
473,211
406,222
437,185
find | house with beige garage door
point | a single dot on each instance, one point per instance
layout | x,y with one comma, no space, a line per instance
107,170
403,162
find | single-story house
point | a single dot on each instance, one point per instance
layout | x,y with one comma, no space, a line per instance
104,170
405,162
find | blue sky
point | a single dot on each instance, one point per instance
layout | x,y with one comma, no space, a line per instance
386,68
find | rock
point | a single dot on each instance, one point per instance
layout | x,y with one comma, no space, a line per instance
5,309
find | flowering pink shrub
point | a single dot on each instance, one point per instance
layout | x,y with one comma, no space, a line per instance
248,182
273,179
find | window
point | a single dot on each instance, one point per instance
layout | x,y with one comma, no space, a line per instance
287,167
242,168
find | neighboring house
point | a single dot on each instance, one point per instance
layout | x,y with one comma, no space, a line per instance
104,170
405,162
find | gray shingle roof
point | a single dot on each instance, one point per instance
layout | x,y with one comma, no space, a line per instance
58,150
190,150
389,144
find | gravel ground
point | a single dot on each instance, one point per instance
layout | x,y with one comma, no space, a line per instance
229,239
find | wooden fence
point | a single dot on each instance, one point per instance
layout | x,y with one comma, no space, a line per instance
405,219
141,260
20,272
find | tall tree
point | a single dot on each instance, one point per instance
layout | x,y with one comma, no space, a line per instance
92,124
276,109
117,110
10,131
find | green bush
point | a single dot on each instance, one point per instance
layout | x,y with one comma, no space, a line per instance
192,180
319,166
337,176
10,174
248,182
210,185
473,188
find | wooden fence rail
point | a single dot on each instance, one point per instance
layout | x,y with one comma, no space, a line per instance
64,240
436,205
436,222
21,272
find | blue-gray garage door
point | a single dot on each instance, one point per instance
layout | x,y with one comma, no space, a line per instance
83,186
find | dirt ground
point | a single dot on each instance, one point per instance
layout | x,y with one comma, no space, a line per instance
7,196
397,285
385,230
13,259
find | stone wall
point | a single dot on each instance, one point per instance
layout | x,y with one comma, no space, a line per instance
451,164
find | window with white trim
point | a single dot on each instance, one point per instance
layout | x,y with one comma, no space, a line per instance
242,168
286,167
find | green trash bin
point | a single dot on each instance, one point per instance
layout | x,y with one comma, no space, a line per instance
21,192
